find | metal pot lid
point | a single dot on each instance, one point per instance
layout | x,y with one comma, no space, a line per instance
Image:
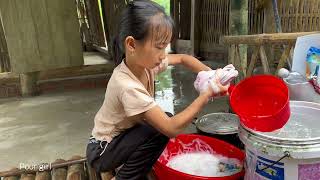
303,125
218,123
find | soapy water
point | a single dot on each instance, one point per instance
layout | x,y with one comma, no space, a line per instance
299,126
198,158
204,164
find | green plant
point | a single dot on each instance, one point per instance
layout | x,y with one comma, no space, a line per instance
165,4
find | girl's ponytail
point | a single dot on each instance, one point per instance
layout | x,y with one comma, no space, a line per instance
118,54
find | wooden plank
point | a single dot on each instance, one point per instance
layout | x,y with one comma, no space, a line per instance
20,34
4,58
253,61
76,71
39,14
264,60
43,35
65,33
59,39
70,28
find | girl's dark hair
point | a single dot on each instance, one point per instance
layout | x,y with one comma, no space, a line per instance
140,19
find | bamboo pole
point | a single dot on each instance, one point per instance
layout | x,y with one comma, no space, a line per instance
259,39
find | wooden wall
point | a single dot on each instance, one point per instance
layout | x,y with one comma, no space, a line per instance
300,15
95,23
295,15
214,22
41,34
4,56
111,10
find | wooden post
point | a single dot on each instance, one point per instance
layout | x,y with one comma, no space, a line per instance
269,27
192,31
106,176
59,173
173,16
27,177
239,26
76,171
28,82
92,175
45,175
11,178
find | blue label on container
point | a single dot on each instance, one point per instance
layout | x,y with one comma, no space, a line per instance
275,172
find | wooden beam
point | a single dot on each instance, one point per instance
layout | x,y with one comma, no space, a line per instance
7,78
259,39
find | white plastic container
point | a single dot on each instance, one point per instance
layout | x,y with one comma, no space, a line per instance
291,153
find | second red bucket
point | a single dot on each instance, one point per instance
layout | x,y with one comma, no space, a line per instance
261,102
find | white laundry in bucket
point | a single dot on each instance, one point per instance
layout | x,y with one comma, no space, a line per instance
204,164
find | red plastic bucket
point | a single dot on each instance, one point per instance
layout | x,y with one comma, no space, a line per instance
195,143
261,102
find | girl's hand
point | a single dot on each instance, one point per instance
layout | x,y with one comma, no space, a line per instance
210,93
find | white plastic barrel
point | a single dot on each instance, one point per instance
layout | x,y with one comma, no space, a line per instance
291,153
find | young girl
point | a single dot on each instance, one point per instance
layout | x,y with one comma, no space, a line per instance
130,129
